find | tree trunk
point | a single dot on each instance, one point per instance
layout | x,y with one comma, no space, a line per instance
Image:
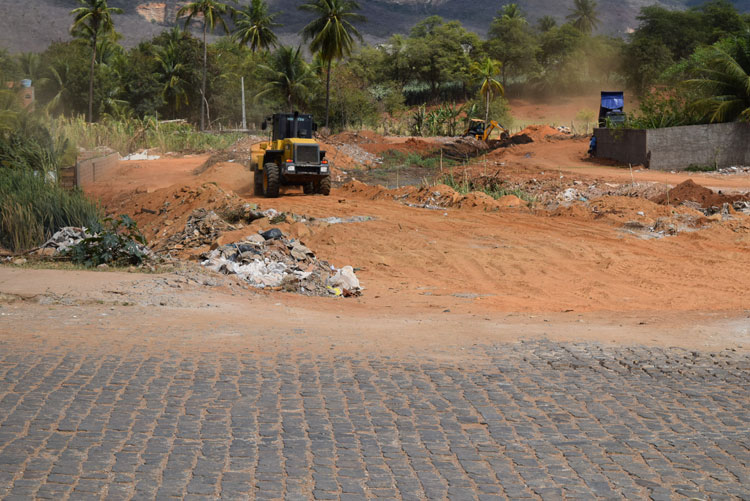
91,83
487,109
328,90
203,85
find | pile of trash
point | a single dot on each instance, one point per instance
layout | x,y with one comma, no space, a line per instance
270,260
64,239
202,228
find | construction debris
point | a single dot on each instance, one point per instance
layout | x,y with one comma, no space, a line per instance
203,228
64,239
280,263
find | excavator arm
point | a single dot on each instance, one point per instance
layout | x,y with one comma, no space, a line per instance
494,125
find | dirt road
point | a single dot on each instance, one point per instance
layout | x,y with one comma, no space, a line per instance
438,271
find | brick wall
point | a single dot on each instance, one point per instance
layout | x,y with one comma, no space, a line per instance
97,168
676,148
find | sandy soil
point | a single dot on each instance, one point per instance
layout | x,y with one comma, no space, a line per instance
475,271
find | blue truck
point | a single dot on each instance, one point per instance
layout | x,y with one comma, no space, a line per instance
611,108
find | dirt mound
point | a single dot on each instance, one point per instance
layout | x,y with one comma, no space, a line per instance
539,133
635,214
462,148
162,214
689,191
245,145
414,144
373,192
360,137
519,138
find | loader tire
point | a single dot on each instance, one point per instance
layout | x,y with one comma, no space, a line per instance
324,187
271,180
308,188
257,183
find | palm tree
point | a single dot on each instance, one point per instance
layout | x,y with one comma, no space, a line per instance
722,77
546,23
331,33
174,90
584,15
93,19
31,67
253,25
512,12
486,71
288,75
213,12
8,111
61,82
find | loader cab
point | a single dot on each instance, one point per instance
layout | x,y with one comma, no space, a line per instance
476,128
291,125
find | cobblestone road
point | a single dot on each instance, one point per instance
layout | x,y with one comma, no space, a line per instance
529,420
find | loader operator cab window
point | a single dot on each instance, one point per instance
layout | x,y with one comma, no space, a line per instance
286,127
304,128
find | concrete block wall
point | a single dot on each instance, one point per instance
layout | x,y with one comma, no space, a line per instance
624,145
96,168
677,148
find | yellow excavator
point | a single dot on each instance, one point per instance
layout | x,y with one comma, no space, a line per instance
481,130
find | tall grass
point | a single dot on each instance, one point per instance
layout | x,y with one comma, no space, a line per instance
488,186
134,134
32,208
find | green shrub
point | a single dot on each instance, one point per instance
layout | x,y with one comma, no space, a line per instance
664,109
32,209
119,244
701,168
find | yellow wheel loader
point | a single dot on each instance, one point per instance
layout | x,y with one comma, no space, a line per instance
291,158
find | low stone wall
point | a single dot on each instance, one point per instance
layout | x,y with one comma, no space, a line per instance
95,166
677,148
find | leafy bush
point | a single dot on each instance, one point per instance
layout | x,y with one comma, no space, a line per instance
120,244
664,109
32,209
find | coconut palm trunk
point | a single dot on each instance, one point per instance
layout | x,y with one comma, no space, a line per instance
328,92
91,82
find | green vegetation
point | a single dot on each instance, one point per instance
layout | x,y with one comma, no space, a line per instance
436,64
254,26
488,185
331,34
212,13
129,135
33,208
92,22
393,159
119,243
701,168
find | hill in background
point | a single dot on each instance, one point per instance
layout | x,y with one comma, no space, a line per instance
32,25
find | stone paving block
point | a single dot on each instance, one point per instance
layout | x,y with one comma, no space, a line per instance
529,420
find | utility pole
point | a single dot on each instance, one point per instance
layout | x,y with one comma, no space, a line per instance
244,116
